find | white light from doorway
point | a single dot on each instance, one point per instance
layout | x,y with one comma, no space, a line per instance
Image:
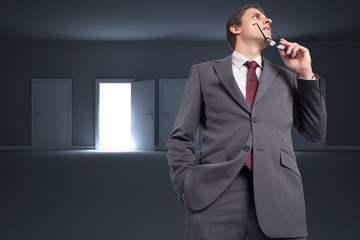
115,116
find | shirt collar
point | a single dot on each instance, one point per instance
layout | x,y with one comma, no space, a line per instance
238,59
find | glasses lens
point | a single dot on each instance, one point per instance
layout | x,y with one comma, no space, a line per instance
275,36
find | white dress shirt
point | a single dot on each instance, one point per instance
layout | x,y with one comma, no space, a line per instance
240,71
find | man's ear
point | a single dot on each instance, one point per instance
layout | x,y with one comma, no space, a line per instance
235,29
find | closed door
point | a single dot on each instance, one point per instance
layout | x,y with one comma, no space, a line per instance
171,92
51,114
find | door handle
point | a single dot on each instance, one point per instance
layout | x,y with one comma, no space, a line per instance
150,114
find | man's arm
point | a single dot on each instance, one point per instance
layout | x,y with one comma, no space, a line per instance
181,150
309,106
310,111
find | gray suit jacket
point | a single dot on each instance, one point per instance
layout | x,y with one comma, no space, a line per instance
230,129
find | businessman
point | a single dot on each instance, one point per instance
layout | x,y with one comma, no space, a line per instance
247,184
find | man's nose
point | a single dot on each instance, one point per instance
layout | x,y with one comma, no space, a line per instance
268,21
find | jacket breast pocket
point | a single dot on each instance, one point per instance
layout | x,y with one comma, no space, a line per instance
219,156
288,162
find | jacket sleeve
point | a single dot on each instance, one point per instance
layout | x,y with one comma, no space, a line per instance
181,151
310,115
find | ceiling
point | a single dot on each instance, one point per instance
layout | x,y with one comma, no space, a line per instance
139,20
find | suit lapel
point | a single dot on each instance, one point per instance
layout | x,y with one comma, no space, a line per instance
223,69
268,75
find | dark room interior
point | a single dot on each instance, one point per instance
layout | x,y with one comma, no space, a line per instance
80,192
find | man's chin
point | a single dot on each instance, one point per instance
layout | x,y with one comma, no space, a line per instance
263,44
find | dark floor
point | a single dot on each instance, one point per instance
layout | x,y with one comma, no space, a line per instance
85,195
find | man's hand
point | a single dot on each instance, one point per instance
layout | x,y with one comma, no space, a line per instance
300,60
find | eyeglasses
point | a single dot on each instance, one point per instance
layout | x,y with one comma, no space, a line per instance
271,41
275,39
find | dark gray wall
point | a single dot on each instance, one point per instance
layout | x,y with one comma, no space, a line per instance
84,61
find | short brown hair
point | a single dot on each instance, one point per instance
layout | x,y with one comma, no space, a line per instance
235,19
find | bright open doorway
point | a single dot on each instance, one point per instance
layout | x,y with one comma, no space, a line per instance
124,114
113,115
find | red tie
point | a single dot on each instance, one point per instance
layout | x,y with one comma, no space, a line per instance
251,87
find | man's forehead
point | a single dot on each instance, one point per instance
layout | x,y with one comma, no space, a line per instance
254,11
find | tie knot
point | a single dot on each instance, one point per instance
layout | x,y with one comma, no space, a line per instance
251,64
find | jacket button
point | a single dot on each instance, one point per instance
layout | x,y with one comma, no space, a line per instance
246,148
255,119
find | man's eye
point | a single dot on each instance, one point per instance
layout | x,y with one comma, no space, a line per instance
255,16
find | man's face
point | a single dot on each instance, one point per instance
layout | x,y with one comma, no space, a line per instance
249,30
